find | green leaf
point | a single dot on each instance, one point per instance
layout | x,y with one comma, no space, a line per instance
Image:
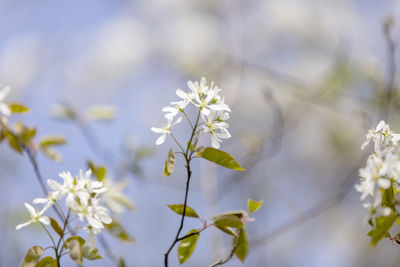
220,157
80,240
98,171
75,251
47,262
169,164
13,142
101,112
52,154
91,253
18,108
32,256
25,134
124,201
226,220
178,208
237,213
118,231
388,197
242,245
383,224
52,140
121,262
187,246
227,230
57,228
253,206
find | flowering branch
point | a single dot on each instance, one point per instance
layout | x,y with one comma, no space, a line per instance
214,113
188,158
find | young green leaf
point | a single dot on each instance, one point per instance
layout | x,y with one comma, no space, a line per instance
118,231
383,224
75,251
98,171
54,224
169,164
178,208
187,246
52,140
242,245
121,262
227,230
226,220
32,256
253,206
91,253
101,112
24,133
18,108
80,240
47,262
52,154
237,213
220,157
388,197
14,143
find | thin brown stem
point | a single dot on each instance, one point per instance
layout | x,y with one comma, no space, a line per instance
223,261
189,175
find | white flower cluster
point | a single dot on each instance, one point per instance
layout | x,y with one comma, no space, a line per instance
82,197
214,112
382,169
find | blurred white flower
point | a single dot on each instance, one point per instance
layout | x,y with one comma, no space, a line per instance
4,108
114,198
382,169
36,216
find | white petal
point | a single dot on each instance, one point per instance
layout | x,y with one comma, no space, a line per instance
4,92
94,222
214,142
177,121
5,109
168,109
365,144
181,94
161,139
380,126
384,183
158,130
104,218
19,226
40,200
31,210
44,220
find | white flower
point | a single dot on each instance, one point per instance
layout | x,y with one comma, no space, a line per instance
114,198
198,88
216,127
209,103
382,138
4,108
36,216
165,130
95,214
178,105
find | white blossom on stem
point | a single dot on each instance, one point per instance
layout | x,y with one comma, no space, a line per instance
166,129
36,216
